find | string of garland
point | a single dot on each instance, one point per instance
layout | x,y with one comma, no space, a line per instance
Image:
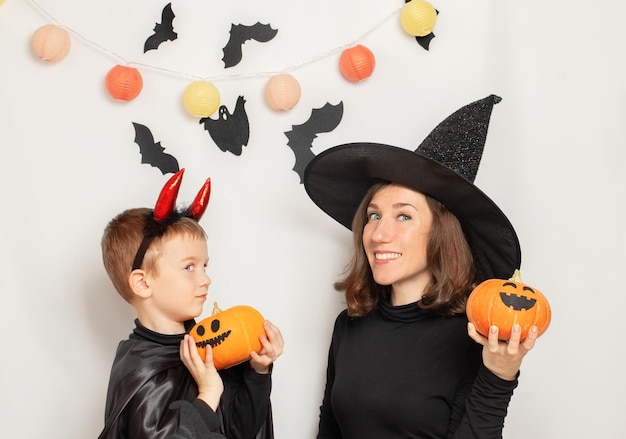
201,98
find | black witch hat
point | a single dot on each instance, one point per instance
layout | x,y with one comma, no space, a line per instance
443,167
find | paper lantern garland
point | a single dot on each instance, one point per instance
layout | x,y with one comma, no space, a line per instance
201,98
123,83
51,42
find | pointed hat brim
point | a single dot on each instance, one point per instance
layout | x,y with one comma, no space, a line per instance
338,179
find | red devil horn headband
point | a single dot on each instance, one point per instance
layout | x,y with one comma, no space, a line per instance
165,212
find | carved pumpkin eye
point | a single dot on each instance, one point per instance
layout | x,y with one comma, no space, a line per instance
234,335
505,302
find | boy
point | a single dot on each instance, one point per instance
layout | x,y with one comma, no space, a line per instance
159,386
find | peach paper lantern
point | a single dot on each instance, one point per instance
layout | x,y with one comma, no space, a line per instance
201,98
51,42
357,63
418,18
123,83
282,92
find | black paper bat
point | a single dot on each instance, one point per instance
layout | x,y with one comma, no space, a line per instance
322,120
425,40
239,34
230,132
151,152
163,31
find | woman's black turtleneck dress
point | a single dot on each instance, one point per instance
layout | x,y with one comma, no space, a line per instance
402,372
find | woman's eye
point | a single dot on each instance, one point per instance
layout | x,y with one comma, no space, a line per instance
189,267
403,217
373,216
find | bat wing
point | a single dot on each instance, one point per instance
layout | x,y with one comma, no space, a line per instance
151,152
425,40
163,31
239,34
322,120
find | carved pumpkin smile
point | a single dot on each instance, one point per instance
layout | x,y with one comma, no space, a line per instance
515,301
214,341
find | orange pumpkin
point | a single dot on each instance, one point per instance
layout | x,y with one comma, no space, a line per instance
232,334
503,303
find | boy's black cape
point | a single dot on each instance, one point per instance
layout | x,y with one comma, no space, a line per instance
137,363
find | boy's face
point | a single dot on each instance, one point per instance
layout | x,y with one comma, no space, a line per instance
180,286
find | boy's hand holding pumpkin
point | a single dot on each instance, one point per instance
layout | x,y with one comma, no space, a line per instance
272,347
210,384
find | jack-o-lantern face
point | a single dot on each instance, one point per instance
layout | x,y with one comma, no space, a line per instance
505,302
232,334
518,301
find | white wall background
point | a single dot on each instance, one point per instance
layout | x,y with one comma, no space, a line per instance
553,161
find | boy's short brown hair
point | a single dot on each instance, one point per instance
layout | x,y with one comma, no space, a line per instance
122,237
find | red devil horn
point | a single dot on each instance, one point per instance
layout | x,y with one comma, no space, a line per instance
198,206
166,202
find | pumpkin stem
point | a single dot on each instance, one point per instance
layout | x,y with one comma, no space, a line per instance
517,276
216,309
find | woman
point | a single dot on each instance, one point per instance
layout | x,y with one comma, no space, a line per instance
401,363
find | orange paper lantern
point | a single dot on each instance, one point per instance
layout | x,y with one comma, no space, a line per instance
123,83
201,98
282,92
418,18
357,63
51,42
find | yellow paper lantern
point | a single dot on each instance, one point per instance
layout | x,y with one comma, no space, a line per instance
123,83
201,98
357,63
51,42
282,92
418,18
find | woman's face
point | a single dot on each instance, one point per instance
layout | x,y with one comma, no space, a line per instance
395,238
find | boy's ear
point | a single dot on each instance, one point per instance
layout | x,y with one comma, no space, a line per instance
137,282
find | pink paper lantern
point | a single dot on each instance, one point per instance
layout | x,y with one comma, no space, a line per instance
282,92
51,43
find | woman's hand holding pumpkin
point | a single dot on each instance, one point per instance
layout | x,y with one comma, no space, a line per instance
210,385
272,347
504,358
